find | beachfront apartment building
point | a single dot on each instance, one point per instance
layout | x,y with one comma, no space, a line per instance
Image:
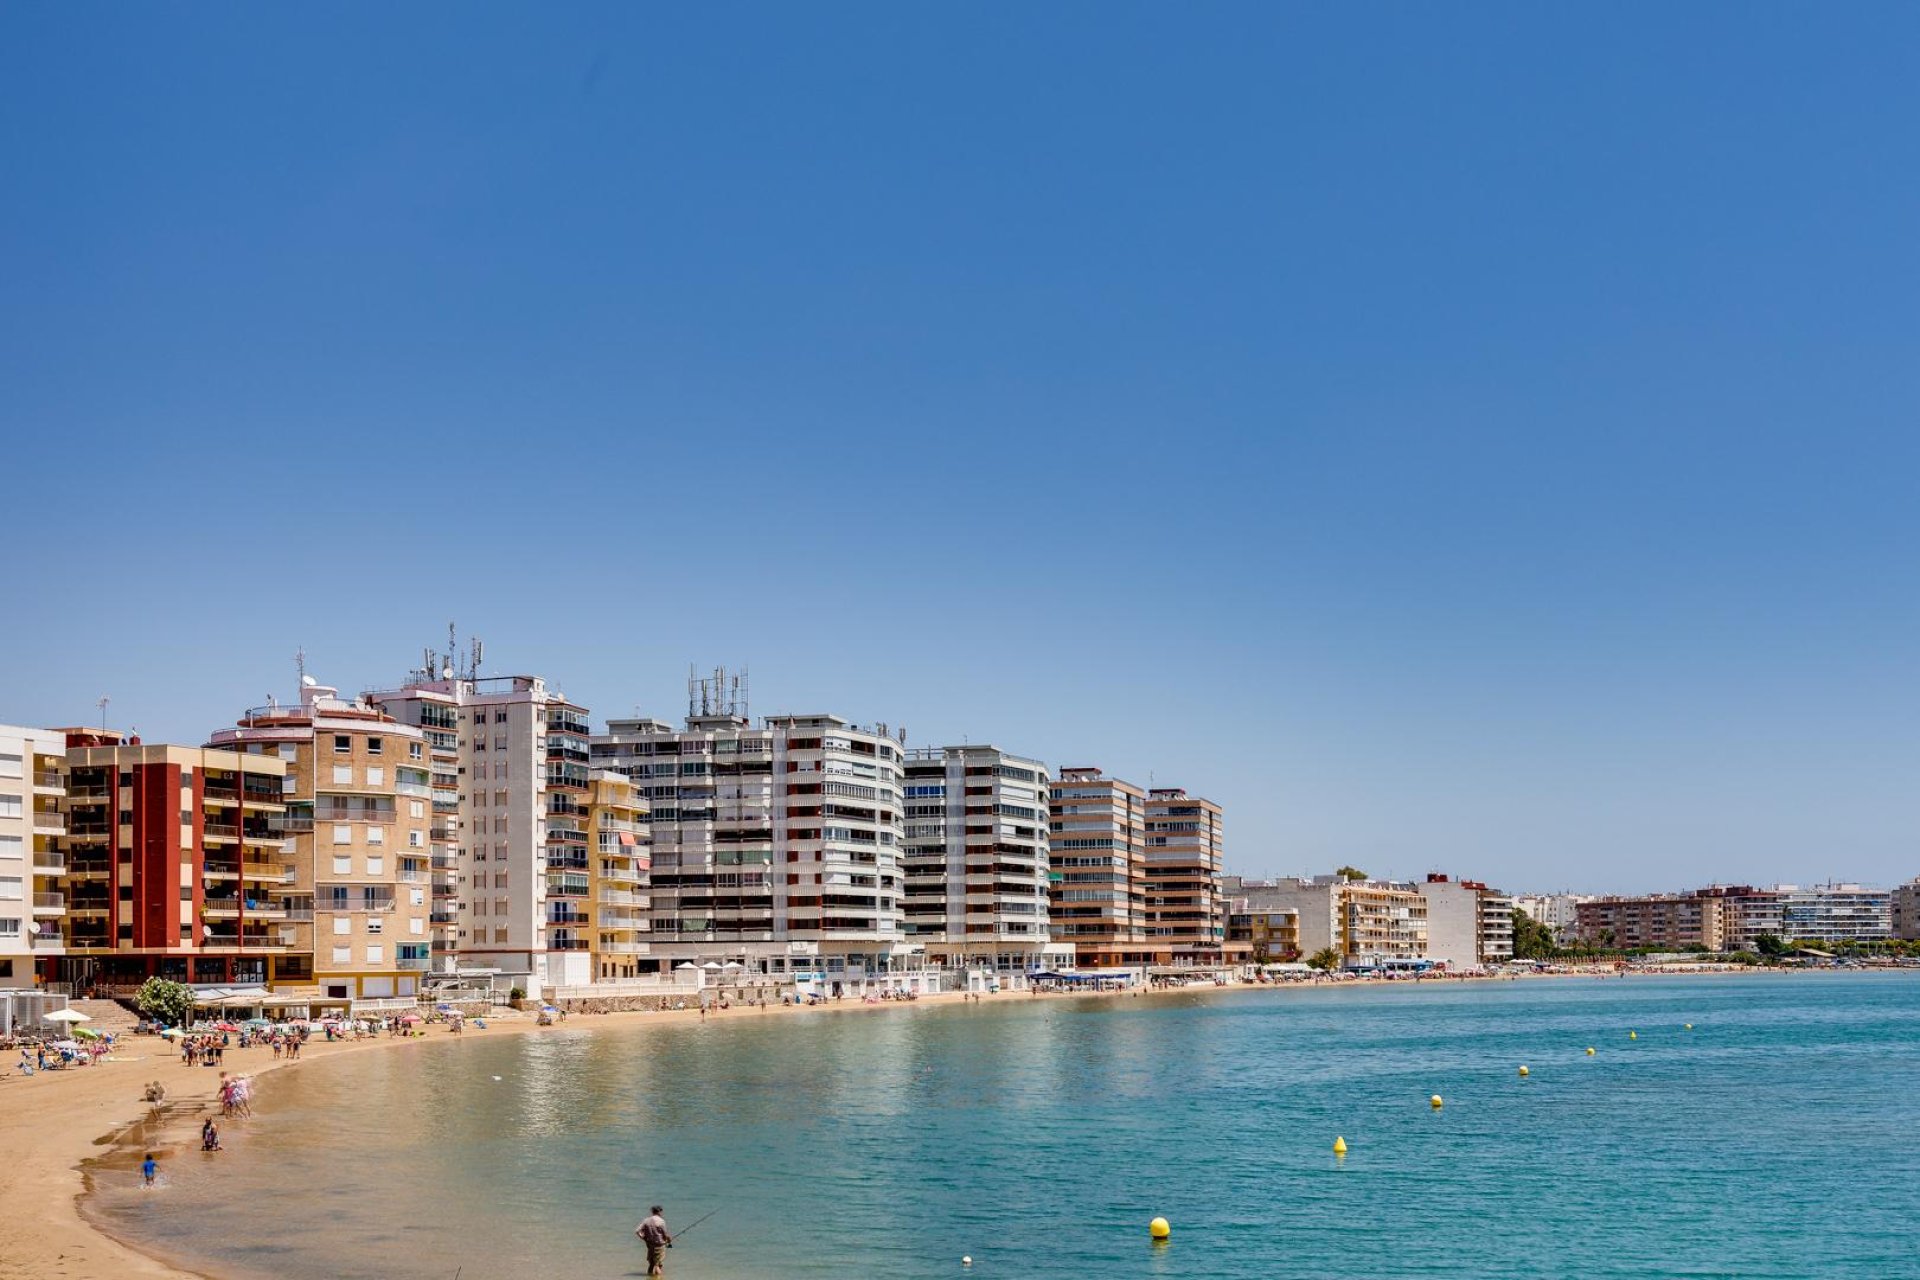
517,809
33,788
1830,913
1748,914
1185,913
1268,935
975,861
1904,910
1469,926
776,847
1368,924
1559,912
174,864
1098,845
1668,922
357,798
617,904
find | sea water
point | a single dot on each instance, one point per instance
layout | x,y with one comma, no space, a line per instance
1039,1136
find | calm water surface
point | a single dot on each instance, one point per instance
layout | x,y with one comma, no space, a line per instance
1039,1136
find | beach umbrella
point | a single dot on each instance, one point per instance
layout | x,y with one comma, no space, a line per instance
225,1026
66,1015
733,964
409,1017
66,1044
711,965
686,967
86,1033
173,1033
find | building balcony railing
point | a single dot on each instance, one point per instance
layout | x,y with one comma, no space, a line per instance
569,944
47,862
442,917
47,781
48,941
414,963
51,904
49,820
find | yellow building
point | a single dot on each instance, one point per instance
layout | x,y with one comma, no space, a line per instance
616,906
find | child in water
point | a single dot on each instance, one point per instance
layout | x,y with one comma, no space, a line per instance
149,1170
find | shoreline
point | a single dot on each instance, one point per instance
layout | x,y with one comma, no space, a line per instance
65,1129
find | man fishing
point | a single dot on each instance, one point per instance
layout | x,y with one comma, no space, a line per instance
653,1231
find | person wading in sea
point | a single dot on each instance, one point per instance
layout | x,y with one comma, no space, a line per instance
653,1230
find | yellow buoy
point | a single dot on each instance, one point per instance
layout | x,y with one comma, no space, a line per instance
1523,1071
1689,1026
1435,1100
1589,1051
1633,1035
1339,1146
1159,1228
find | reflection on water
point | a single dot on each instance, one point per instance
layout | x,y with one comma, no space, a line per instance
1039,1136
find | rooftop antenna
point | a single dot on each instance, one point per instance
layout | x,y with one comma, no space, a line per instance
479,655
102,704
300,663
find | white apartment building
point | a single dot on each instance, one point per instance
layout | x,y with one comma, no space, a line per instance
515,815
33,771
1559,912
1835,913
776,847
1367,923
975,860
1469,926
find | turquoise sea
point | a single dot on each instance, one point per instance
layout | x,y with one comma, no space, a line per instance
1777,1138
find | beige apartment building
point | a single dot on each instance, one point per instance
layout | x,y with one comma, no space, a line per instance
617,902
1186,918
1268,935
355,833
1367,923
1676,922
33,788
516,750
976,861
1469,925
1097,852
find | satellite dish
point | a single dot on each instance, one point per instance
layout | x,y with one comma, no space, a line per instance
33,926
308,682
446,673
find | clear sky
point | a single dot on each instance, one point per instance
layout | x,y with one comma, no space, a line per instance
1454,437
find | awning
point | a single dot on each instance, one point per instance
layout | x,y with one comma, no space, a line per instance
626,837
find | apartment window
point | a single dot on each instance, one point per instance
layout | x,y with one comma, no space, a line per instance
343,833
342,924
499,799
416,840
343,774
342,865
10,888
10,806
499,935
376,777
13,847
9,928
416,925
375,924
376,835
499,742
416,808
343,955
289,751
376,746
376,866
500,716
376,953
342,743
12,766
413,751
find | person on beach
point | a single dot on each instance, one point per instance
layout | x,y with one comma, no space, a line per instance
209,1135
653,1231
149,1170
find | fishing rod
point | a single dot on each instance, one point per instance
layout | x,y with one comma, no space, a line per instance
690,1226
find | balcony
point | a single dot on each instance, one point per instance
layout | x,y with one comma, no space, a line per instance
49,904
219,832
414,963
48,862
48,781
443,917
88,906
619,898
48,941
569,944
49,821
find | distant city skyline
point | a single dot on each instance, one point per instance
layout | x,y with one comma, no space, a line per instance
1480,442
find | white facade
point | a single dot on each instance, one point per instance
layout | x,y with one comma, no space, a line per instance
775,846
1559,912
1835,912
976,860
1469,926
32,786
519,758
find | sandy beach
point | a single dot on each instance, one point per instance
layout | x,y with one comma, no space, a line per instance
53,1124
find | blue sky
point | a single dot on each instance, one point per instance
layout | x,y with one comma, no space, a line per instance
1468,438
